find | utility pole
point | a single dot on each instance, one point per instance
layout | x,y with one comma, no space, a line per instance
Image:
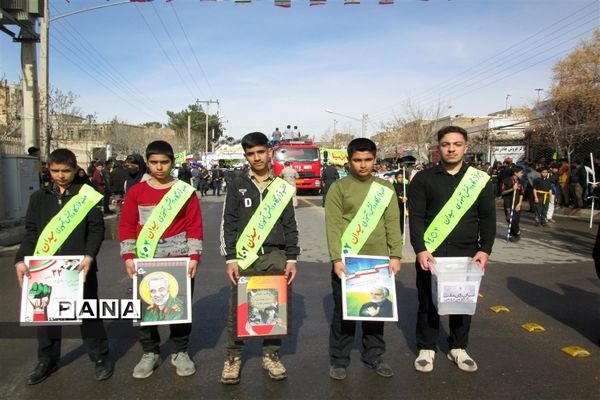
363,125
189,135
506,106
538,90
44,132
207,103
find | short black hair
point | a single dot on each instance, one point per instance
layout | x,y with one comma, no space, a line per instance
160,147
361,144
451,129
254,139
516,169
63,156
32,150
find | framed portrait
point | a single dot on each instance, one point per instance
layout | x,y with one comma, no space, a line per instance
164,289
53,280
368,291
262,306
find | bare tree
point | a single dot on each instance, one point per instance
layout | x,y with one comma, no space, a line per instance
63,113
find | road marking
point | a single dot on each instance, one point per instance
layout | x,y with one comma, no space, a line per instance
310,203
533,327
576,351
499,308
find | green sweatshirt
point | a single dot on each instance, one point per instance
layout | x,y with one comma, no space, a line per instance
344,198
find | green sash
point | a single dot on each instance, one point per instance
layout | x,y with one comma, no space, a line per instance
62,224
161,218
366,219
264,218
462,199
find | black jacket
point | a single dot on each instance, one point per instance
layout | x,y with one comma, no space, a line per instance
428,192
44,204
243,198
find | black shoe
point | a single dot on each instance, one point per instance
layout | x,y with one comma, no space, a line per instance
381,368
41,372
104,369
337,373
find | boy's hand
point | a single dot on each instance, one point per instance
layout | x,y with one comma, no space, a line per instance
130,268
193,268
339,269
394,266
233,272
425,260
481,258
21,271
85,266
290,271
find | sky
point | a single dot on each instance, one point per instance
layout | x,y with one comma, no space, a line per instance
270,66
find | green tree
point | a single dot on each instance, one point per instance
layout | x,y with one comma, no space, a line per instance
178,121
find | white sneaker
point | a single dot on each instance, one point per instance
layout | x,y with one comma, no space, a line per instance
146,366
462,360
183,364
424,361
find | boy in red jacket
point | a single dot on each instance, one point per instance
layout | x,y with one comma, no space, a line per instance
183,238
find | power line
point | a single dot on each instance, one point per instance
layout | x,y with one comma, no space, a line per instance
193,52
164,52
193,78
99,81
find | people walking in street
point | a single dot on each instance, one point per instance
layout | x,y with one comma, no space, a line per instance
443,226
330,174
542,195
49,206
289,174
577,181
564,172
399,185
349,202
512,197
182,237
217,180
136,170
101,184
275,250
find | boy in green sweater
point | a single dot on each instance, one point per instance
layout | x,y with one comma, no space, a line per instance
380,237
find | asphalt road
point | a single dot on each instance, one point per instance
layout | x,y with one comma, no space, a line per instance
547,278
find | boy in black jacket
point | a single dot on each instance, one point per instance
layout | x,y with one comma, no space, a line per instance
278,252
86,240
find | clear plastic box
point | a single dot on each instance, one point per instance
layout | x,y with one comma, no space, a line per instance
455,285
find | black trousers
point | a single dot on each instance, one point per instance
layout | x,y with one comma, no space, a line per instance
428,320
341,334
180,336
92,331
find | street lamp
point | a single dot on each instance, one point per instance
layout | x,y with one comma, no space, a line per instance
362,120
506,105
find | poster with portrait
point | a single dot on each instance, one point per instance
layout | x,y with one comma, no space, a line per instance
53,279
368,291
164,289
262,306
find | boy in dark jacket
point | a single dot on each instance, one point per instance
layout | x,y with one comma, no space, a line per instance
86,240
277,253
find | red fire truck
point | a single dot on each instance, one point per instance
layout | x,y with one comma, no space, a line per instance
304,157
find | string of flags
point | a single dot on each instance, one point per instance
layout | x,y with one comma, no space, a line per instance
280,3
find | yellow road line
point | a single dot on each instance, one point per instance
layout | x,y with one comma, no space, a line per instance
310,203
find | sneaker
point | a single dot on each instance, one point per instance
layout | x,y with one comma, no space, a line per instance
337,373
41,372
231,371
424,361
146,366
272,364
462,360
183,363
104,369
381,369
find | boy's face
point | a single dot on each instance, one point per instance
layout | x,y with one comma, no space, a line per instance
258,157
159,165
452,148
62,174
544,173
361,164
